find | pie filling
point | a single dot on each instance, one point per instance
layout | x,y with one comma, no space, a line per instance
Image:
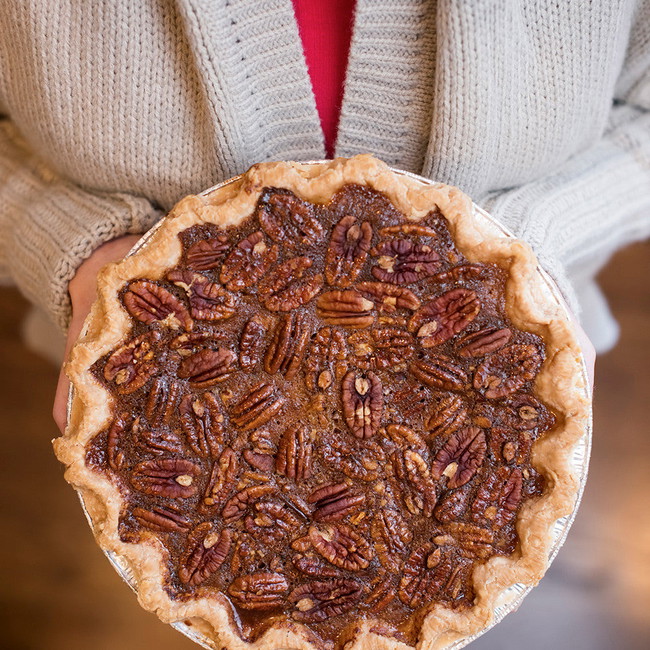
323,415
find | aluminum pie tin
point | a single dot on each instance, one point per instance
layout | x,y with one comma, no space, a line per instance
513,596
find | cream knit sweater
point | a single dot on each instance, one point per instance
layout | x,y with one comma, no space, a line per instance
114,110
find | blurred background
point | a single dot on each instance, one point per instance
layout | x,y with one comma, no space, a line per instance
57,591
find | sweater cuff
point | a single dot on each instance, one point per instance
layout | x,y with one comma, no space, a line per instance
595,203
49,226
517,210
520,220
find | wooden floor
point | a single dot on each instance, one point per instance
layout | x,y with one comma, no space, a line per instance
58,592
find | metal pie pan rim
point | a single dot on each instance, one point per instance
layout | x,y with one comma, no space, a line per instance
513,596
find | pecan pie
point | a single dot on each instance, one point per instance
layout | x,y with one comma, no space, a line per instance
326,405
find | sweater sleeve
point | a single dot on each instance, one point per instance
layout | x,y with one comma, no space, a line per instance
49,225
598,200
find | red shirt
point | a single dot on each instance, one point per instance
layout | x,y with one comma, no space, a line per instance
325,30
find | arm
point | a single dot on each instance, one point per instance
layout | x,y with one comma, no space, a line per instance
49,225
55,236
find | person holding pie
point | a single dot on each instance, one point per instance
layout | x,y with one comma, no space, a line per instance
111,114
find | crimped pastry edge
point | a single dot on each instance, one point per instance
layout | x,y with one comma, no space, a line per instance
529,304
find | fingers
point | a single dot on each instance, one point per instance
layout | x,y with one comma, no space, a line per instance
83,290
59,410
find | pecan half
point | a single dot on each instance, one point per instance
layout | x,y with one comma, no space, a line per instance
440,372
461,272
222,478
402,261
417,229
347,252
363,402
202,423
294,453
382,593
392,538
452,505
208,300
406,438
206,551
245,555
133,364
315,566
412,477
270,521
442,318
114,455
162,520
334,501
326,359
468,540
288,344
448,414
485,341
163,398
148,302
324,599
527,413
156,441
342,546
424,576
249,261
388,297
423,494
461,456
289,285
288,220
498,498
347,308
506,371
206,254
356,459
189,342
256,407
166,477
236,506
261,590
251,343
207,367
518,412
261,461
380,348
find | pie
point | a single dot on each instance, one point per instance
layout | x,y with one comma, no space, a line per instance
326,405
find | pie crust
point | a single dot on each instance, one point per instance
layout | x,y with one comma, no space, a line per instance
529,305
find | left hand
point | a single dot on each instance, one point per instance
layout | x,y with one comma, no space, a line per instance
83,291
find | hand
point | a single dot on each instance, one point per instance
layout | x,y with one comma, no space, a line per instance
83,291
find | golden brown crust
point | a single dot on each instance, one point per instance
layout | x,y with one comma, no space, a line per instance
530,304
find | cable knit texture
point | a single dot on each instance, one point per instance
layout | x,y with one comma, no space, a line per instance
114,111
